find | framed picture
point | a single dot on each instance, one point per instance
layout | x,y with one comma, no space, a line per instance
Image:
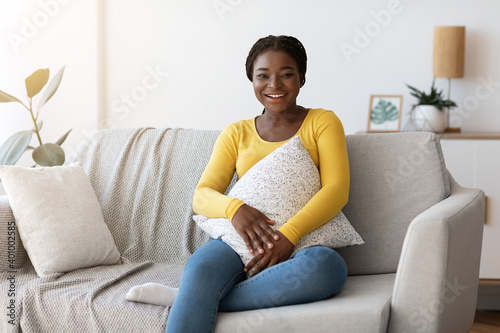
385,113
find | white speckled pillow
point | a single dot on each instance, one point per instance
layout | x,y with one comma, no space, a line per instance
279,186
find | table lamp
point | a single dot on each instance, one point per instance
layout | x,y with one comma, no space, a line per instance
449,57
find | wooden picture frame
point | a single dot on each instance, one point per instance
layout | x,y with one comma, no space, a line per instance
384,114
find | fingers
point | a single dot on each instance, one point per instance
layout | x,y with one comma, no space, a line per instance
257,236
252,262
252,242
255,229
282,250
256,244
270,231
261,262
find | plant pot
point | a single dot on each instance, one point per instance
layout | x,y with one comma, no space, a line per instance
429,118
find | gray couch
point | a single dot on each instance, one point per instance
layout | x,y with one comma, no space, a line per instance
417,271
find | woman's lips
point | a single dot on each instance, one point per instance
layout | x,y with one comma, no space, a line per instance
275,97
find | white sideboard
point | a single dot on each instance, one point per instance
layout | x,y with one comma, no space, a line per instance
473,159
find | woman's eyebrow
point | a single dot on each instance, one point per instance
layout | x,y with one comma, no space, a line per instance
282,68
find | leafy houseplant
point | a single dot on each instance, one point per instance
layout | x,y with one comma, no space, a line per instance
46,154
435,98
427,113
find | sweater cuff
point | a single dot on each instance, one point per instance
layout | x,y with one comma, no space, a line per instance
289,233
233,206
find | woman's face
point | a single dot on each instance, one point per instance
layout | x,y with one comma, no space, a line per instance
276,81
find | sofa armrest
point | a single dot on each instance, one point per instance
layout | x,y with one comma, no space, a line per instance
437,278
13,256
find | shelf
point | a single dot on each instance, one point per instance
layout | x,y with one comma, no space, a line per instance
470,136
458,136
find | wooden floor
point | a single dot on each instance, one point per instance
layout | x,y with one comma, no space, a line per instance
486,322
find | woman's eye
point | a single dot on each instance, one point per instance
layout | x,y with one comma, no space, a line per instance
286,75
262,76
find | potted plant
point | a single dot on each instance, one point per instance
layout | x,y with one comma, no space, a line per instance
428,113
46,154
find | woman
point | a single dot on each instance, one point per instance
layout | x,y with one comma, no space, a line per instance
214,278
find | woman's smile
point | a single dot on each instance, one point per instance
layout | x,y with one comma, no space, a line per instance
274,98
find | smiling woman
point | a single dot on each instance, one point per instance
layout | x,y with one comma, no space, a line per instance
215,277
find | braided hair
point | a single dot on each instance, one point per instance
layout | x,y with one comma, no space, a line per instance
288,44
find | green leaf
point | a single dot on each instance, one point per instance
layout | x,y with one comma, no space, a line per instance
36,81
49,154
384,111
63,138
51,88
14,147
6,98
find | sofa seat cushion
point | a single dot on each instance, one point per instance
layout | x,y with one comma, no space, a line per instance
362,306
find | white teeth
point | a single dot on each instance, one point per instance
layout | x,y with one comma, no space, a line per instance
276,96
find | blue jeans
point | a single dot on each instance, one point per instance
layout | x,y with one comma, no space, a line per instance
213,280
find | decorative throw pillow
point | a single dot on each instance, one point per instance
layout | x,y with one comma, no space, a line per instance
59,218
279,186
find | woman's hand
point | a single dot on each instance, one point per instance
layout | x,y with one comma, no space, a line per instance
255,228
281,251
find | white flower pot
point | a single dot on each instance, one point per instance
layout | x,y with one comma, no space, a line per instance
430,118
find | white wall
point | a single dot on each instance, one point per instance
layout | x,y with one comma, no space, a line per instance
180,63
203,49
49,34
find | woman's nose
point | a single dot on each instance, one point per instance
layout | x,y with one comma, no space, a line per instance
274,82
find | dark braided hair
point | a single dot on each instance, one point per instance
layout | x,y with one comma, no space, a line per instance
288,44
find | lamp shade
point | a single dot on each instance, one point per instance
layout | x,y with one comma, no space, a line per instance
449,52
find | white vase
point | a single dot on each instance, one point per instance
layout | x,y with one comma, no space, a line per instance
430,118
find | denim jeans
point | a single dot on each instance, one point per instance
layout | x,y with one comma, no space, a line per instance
213,280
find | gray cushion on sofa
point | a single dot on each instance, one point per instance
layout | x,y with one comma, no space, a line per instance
362,306
389,175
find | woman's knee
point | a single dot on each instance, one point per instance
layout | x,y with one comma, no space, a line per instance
327,268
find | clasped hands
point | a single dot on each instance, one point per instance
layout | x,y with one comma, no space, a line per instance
268,246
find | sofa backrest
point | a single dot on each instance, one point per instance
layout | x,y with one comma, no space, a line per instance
144,180
394,177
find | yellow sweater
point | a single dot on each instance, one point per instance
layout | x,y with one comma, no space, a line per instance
239,147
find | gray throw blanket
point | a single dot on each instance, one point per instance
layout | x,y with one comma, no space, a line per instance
144,180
